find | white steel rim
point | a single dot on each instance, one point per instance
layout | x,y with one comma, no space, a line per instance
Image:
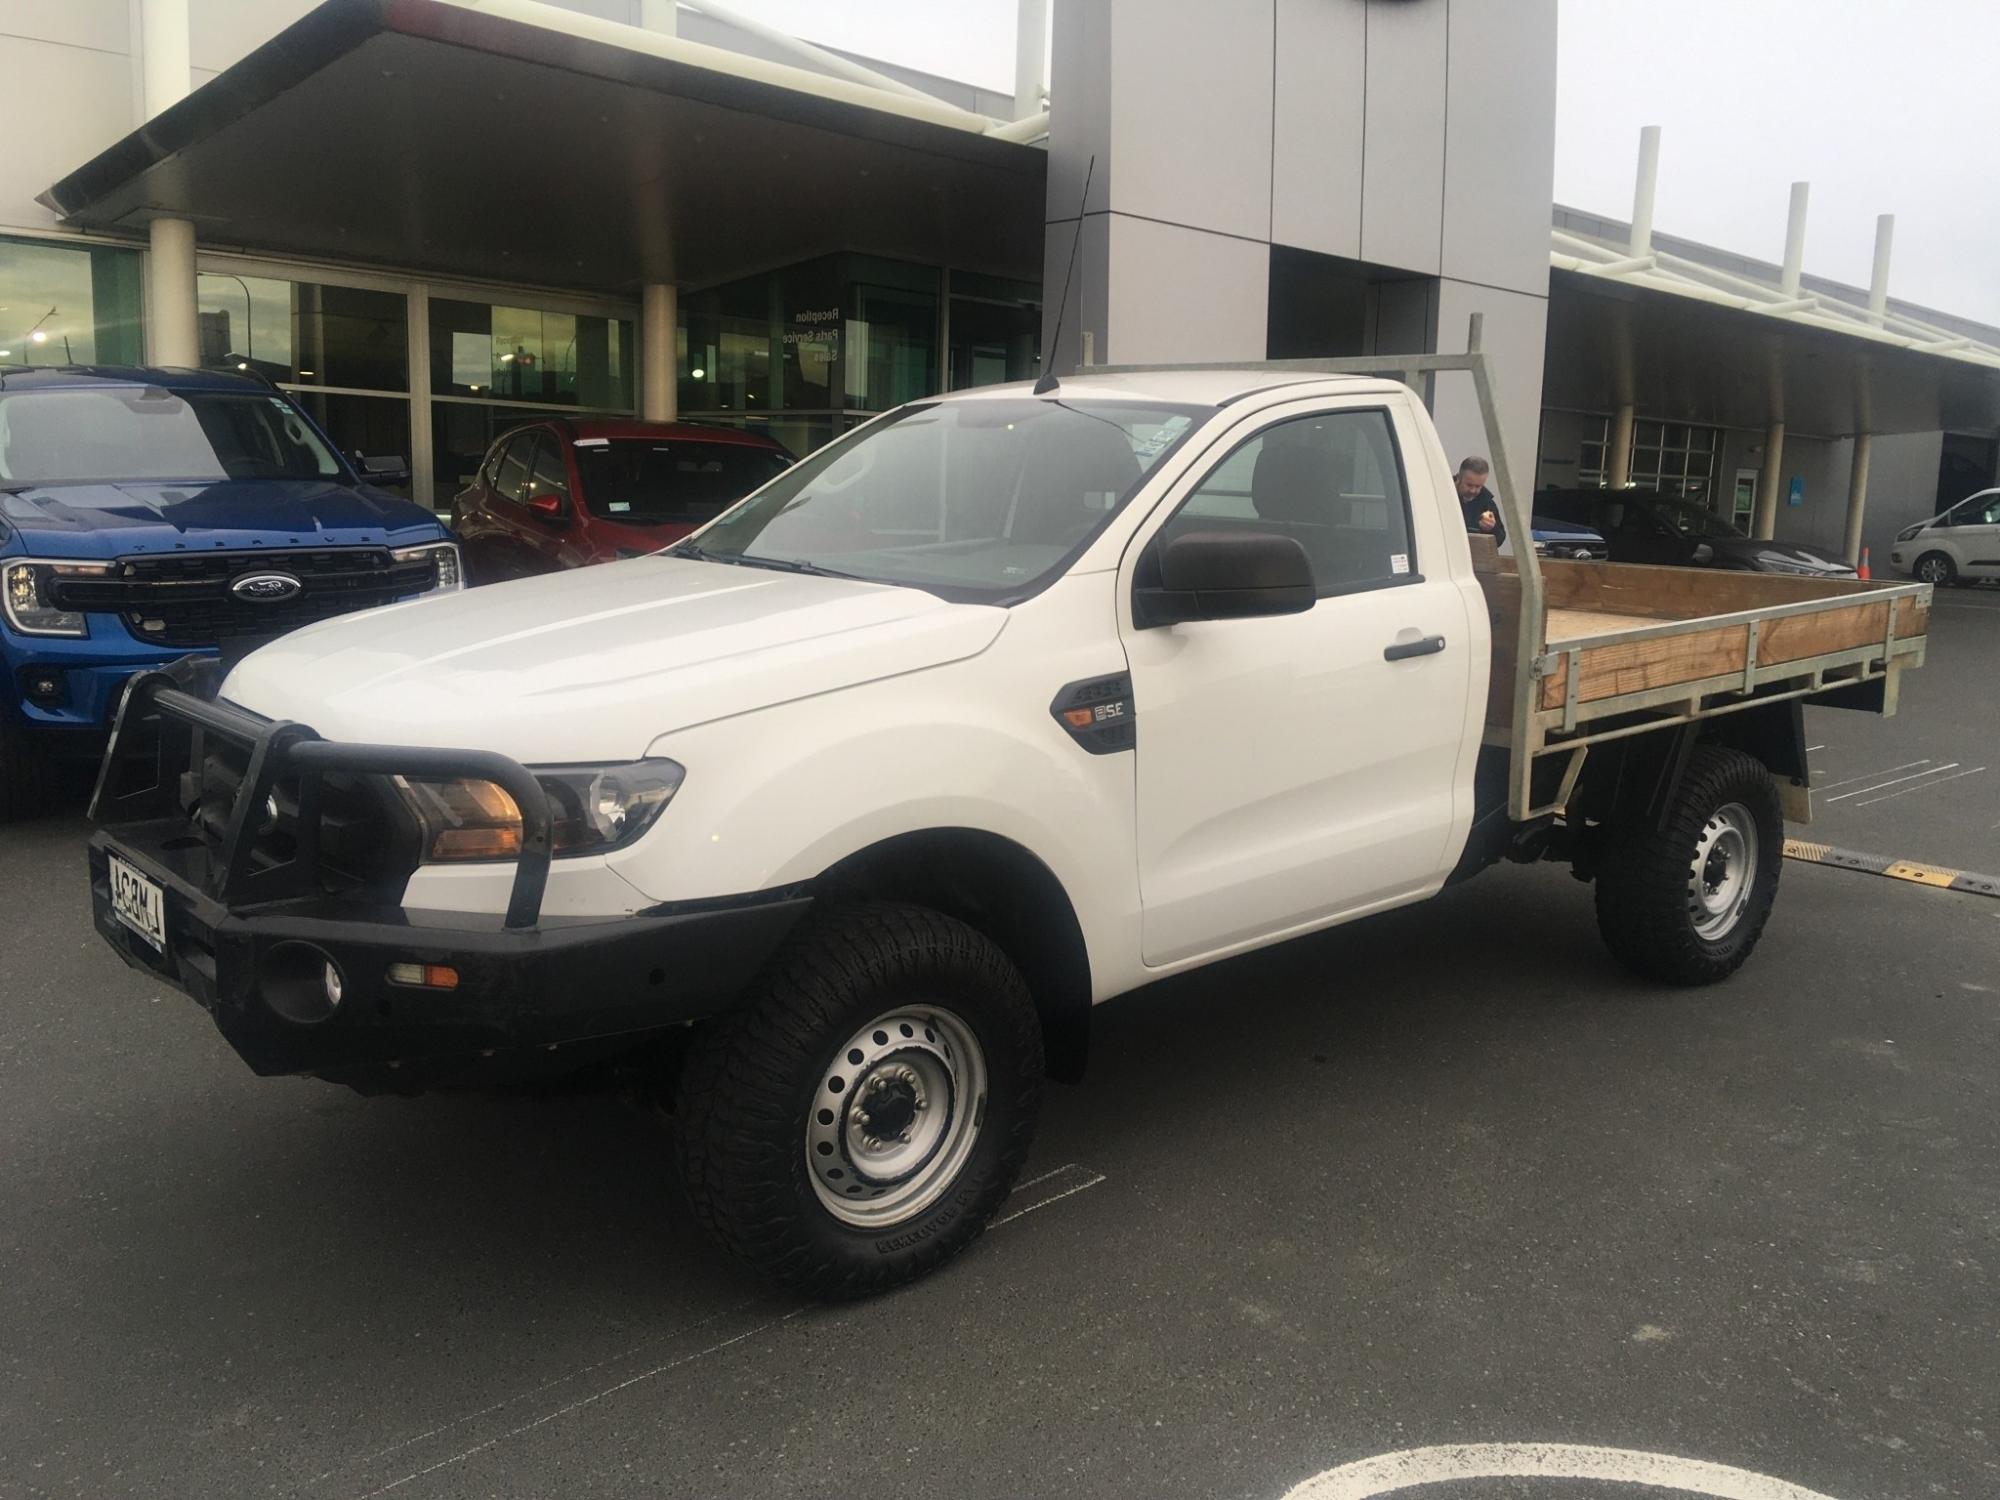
895,1116
1723,872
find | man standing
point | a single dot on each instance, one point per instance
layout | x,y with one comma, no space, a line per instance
1482,511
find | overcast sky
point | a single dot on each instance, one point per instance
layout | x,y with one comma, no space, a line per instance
1883,105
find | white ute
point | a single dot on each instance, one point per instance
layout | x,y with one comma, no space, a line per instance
833,822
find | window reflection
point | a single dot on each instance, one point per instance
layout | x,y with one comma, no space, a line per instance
303,332
62,304
497,353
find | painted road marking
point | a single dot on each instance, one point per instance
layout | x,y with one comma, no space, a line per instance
1868,775
1913,776
1916,871
1050,1187
1926,786
1465,1463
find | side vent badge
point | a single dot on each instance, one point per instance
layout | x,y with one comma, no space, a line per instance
1098,714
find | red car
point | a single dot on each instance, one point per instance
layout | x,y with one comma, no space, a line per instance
567,492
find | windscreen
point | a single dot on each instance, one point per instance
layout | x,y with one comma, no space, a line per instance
977,500
659,480
146,434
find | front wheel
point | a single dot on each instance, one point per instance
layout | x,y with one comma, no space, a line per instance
1684,898
1936,568
854,1121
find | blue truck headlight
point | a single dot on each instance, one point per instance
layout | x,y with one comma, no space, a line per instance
449,577
24,594
592,810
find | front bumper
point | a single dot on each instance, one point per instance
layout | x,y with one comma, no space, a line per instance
250,936
544,999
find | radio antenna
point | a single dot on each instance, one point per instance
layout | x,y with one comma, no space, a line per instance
1048,381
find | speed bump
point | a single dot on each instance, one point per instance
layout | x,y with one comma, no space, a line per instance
1938,877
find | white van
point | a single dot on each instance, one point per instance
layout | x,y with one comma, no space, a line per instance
1961,545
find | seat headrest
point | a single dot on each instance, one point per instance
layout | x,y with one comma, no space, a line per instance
1292,482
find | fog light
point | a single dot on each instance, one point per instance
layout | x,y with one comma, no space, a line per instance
301,983
424,976
44,686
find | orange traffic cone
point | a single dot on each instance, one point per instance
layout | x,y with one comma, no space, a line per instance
1864,562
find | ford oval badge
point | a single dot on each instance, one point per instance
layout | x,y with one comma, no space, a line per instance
266,588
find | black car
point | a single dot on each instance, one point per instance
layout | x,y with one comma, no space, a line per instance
1647,526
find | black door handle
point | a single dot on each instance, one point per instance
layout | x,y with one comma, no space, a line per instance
1430,645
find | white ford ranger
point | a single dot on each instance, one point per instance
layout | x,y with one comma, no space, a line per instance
838,818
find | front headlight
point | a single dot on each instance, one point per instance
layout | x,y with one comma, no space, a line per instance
592,810
450,577
24,594
1909,531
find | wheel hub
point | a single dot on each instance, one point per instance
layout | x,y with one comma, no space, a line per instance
1723,872
895,1116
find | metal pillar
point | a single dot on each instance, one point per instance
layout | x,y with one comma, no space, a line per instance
1643,189
660,16
1857,496
172,332
1031,44
659,390
1767,483
1618,456
1878,284
1795,240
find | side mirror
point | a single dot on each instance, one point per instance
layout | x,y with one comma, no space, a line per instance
383,469
1226,575
548,507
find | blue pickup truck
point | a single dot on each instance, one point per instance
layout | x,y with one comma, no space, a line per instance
150,514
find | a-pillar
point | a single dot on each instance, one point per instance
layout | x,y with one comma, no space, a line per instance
1768,480
1857,496
659,379
1618,458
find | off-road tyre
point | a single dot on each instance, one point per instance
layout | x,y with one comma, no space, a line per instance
757,1079
1651,886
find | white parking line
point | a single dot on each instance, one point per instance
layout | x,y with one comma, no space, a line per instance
1915,776
1907,766
1923,788
1067,1188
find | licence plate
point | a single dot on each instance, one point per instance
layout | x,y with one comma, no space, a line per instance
138,902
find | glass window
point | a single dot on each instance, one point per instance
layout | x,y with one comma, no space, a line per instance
148,434
547,474
1331,482
682,480
372,426
65,304
304,333
976,500
891,347
510,474
479,349
992,342
462,433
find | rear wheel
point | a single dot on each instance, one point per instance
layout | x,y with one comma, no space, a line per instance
1684,898
856,1119
1936,568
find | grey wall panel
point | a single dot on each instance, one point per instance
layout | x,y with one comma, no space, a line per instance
222,31
102,24
1080,119
1902,489
1182,294
1316,130
1402,193
1087,290
1499,144
79,100
1515,332
1191,127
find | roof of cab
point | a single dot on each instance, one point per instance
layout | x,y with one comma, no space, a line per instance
1189,387
167,377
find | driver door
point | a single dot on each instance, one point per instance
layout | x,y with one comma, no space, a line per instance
1299,768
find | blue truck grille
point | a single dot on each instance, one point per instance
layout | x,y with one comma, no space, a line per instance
190,599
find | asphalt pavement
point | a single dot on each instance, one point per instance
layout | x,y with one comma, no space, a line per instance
1447,1177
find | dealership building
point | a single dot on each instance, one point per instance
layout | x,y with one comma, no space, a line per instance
431,219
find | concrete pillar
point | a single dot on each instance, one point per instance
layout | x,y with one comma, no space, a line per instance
659,377
1768,479
1618,455
1031,46
1644,188
172,332
163,52
660,16
1857,496
1795,240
